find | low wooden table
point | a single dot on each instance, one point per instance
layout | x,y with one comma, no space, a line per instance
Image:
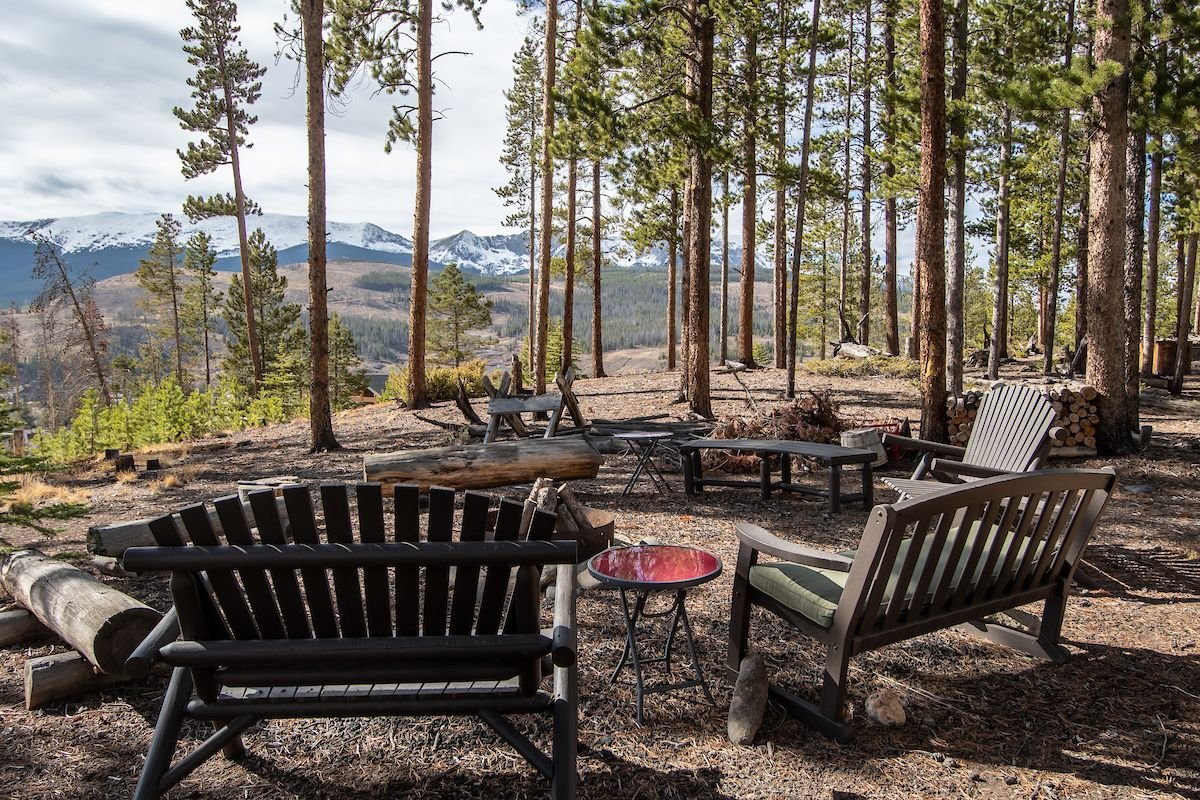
833,456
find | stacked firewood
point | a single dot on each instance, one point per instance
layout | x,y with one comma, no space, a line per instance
1075,410
812,418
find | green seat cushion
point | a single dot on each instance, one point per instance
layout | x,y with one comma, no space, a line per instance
815,593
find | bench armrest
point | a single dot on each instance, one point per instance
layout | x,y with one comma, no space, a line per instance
925,445
969,470
565,648
763,541
146,655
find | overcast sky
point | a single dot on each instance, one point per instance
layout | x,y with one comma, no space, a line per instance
87,88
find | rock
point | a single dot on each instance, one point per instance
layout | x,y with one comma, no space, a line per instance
749,700
1139,488
1011,780
884,708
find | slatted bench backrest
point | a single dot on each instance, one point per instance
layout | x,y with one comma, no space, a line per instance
1010,431
348,588
946,558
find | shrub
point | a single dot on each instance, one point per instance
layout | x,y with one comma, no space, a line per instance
889,366
441,383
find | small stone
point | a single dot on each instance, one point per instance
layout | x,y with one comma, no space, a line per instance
1139,488
952,763
884,708
749,700
938,757
1011,780
976,776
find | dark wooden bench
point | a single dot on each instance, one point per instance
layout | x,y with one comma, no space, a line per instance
942,560
832,456
411,625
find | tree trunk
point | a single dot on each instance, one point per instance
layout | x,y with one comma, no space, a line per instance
699,102
417,394
1135,240
551,43
749,204
672,277
844,275
1060,191
780,276
1183,329
597,329
1106,231
531,361
930,220
999,347
805,145
103,624
891,313
685,297
957,274
1081,268
1153,221
568,324
864,282
312,17
723,323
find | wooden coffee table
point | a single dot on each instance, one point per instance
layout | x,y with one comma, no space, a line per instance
833,456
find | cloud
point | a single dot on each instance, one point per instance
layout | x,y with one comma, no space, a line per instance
57,186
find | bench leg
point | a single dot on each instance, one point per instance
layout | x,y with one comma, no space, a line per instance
868,486
764,474
835,489
739,615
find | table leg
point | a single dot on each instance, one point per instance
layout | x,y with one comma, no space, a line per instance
689,476
691,643
764,474
642,453
785,464
631,654
656,476
835,488
868,486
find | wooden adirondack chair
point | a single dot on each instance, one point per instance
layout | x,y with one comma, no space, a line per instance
946,559
1012,433
394,634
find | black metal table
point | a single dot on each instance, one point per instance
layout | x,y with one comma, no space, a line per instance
644,443
656,568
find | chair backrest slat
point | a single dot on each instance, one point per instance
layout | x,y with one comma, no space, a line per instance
437,579
408,579
258,589
375,579
335,502
1010,429
898,586
224,585
283,581
1060,543
466,577
316,583
495,584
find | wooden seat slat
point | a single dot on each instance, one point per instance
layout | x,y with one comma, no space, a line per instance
316,584
437,579
375,579
335,503
258,590
495,583
226,591
466,577
408,579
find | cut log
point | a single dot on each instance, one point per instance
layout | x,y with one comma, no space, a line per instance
113,540
58,676
852,350
482,466
103,624
18,626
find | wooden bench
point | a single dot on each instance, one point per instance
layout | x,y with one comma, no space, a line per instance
403,625
942,560
506,409
832,456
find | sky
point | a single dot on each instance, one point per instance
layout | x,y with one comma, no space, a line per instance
87,88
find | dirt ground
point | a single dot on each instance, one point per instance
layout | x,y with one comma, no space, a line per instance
1120,720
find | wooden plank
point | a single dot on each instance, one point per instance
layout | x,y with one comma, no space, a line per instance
283,581
437,579
222,584
550,401
346,589
495,584
466,577
316,584
375,579
258,590
565,384
408,579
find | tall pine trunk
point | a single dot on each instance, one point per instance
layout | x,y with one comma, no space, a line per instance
864,284
891,312
568,323
780,277
723,323
672,278
417,394
1000,306
848,330
805,145
700,102
1153,222
547,168
1135,240
957,273
749,204
597,329
1187,283
531,363
320,419
931,263
1106,231
1060,192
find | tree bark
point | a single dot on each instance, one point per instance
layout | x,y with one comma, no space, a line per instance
1153,221
1060,191
999,347
931,263
568,324
700,97
955,327
864,283
597,329
891,313
672,278
723,323
1081,268
749,203
1106,231
1183,330
550,46
844,275
780,277
418,295
805,145
1135,240
312,18
103,624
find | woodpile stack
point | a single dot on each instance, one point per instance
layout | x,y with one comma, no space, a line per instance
1075,410
812,418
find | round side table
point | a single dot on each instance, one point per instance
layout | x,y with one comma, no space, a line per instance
644,443
643,569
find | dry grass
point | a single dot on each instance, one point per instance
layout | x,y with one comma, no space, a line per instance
127,476
34,492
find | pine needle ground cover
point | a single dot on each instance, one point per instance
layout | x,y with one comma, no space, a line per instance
1119,720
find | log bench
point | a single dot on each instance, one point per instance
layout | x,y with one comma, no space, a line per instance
506,409
833,457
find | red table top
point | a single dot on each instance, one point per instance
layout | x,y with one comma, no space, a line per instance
655,566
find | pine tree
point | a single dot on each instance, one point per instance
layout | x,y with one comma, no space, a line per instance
200,297
226,84
160,274
455,308
345,377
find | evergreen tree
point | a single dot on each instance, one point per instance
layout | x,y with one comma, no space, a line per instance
345,377
455,308
200,296
226,84
160,274
279,329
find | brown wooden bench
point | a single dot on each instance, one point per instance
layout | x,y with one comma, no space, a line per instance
413,626
506,409
832,456
943,560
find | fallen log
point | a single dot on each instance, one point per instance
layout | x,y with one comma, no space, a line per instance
113,540
18,626
482,466
62,675
102,623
